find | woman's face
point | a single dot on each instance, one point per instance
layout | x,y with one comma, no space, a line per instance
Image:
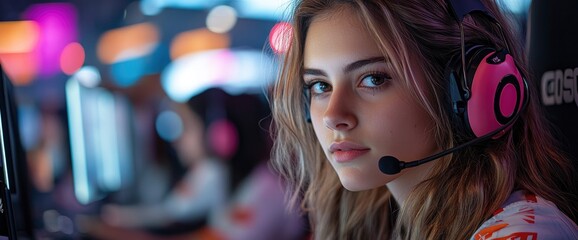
358,110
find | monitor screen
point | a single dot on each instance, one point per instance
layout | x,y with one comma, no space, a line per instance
100,140
15,207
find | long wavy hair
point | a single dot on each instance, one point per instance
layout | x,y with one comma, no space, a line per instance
482,177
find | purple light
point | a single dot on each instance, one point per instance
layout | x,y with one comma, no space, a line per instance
58,28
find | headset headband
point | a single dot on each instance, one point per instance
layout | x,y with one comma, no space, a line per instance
461,8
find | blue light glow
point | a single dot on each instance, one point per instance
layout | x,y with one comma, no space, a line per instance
169,125
79,164
88,76
107,143
516,6
153,7
235,71
100,147
128,72
264,9
30,126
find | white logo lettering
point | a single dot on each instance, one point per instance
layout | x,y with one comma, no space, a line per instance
496,59
560,86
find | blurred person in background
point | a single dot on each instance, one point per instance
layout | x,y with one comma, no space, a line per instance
203,188
256,209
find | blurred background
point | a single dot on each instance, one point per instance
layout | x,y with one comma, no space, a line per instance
149,118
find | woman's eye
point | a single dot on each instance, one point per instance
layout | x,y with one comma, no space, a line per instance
319,87
374,80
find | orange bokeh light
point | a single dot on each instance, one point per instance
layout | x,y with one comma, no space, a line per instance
18,36
21,68
127,43
196,41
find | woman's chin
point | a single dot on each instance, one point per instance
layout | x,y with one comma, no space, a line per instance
355,180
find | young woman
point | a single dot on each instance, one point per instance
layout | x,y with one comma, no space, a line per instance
365,79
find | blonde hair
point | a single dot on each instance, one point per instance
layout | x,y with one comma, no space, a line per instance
481,177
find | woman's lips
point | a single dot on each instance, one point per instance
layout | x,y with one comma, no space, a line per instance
346,151
348,155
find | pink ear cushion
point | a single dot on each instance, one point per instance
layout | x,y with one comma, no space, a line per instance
481,115
508,98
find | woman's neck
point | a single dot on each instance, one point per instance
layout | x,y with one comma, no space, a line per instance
404,184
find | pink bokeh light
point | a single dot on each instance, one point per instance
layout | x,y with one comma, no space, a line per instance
58,28
72,58
280,37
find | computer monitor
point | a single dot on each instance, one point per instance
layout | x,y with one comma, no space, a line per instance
99,126
15,207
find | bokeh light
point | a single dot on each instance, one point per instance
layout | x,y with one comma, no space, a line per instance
264,9
72,58
17,50
221,19
126,43
516,6
151,7
198,40
194,73
88,76
233,70
280,37
18,36
58,27
128,72
169,125
21,68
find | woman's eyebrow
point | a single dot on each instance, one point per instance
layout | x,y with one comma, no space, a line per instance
312,71
350,67
358,64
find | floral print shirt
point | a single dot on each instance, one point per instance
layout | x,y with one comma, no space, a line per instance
525,216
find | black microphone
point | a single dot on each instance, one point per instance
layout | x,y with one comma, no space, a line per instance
391,165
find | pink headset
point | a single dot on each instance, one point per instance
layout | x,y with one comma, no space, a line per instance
489,93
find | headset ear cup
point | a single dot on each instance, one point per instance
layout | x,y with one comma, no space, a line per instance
457,107
497,93
459,90
491,95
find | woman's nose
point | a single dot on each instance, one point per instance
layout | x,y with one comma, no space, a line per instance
339,114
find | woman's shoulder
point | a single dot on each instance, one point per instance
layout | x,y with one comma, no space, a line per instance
527,216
